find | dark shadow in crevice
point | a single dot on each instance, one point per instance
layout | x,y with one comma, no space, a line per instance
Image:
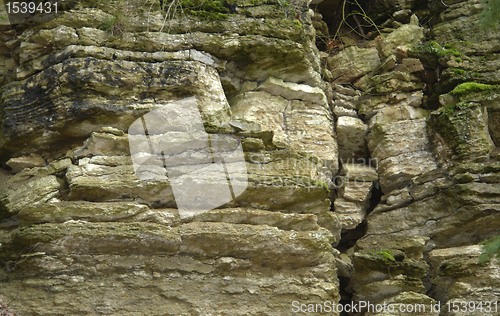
350,237
348,240
345,296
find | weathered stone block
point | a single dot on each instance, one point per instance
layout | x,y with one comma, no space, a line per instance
350,214
393,114
395,81
251,216
73,107
59,212
15,196
389,140
252,144
353,63
460,278
409,300
379,290
293,91
401,150
397,171
303,126
461,134
196,267
351,133
356,191
410,65
19,163
360,172
342,111
453,217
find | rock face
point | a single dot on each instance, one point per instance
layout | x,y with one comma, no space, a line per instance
109,231
371,174
189,268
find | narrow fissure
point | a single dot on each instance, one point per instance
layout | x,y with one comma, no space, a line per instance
348,240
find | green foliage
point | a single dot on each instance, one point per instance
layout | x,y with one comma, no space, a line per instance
491,14
459,72
320,184
386,255
491,249
434,48
115,25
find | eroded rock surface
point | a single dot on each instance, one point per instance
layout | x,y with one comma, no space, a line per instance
386,149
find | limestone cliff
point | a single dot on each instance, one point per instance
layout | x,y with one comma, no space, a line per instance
370,172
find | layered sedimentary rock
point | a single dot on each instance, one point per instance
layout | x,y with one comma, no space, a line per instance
81,215
114,114
437,170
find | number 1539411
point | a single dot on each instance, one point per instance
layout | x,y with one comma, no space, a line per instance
31,7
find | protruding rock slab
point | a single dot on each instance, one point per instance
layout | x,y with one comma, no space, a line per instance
293,91
397,171
456,216
402,151
69,104
389,140
350,213
59,212
365,172
460,278
283,221
393,114
353,199
93,182
352,63
356,191
193,267
19,163
373,281
17,195
418,303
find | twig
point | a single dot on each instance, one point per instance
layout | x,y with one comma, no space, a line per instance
359,26
353,14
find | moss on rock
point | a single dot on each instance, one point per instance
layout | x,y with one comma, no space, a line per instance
469,87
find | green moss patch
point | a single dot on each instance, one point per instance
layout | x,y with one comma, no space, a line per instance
434,48
470,87
449,109
210,9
